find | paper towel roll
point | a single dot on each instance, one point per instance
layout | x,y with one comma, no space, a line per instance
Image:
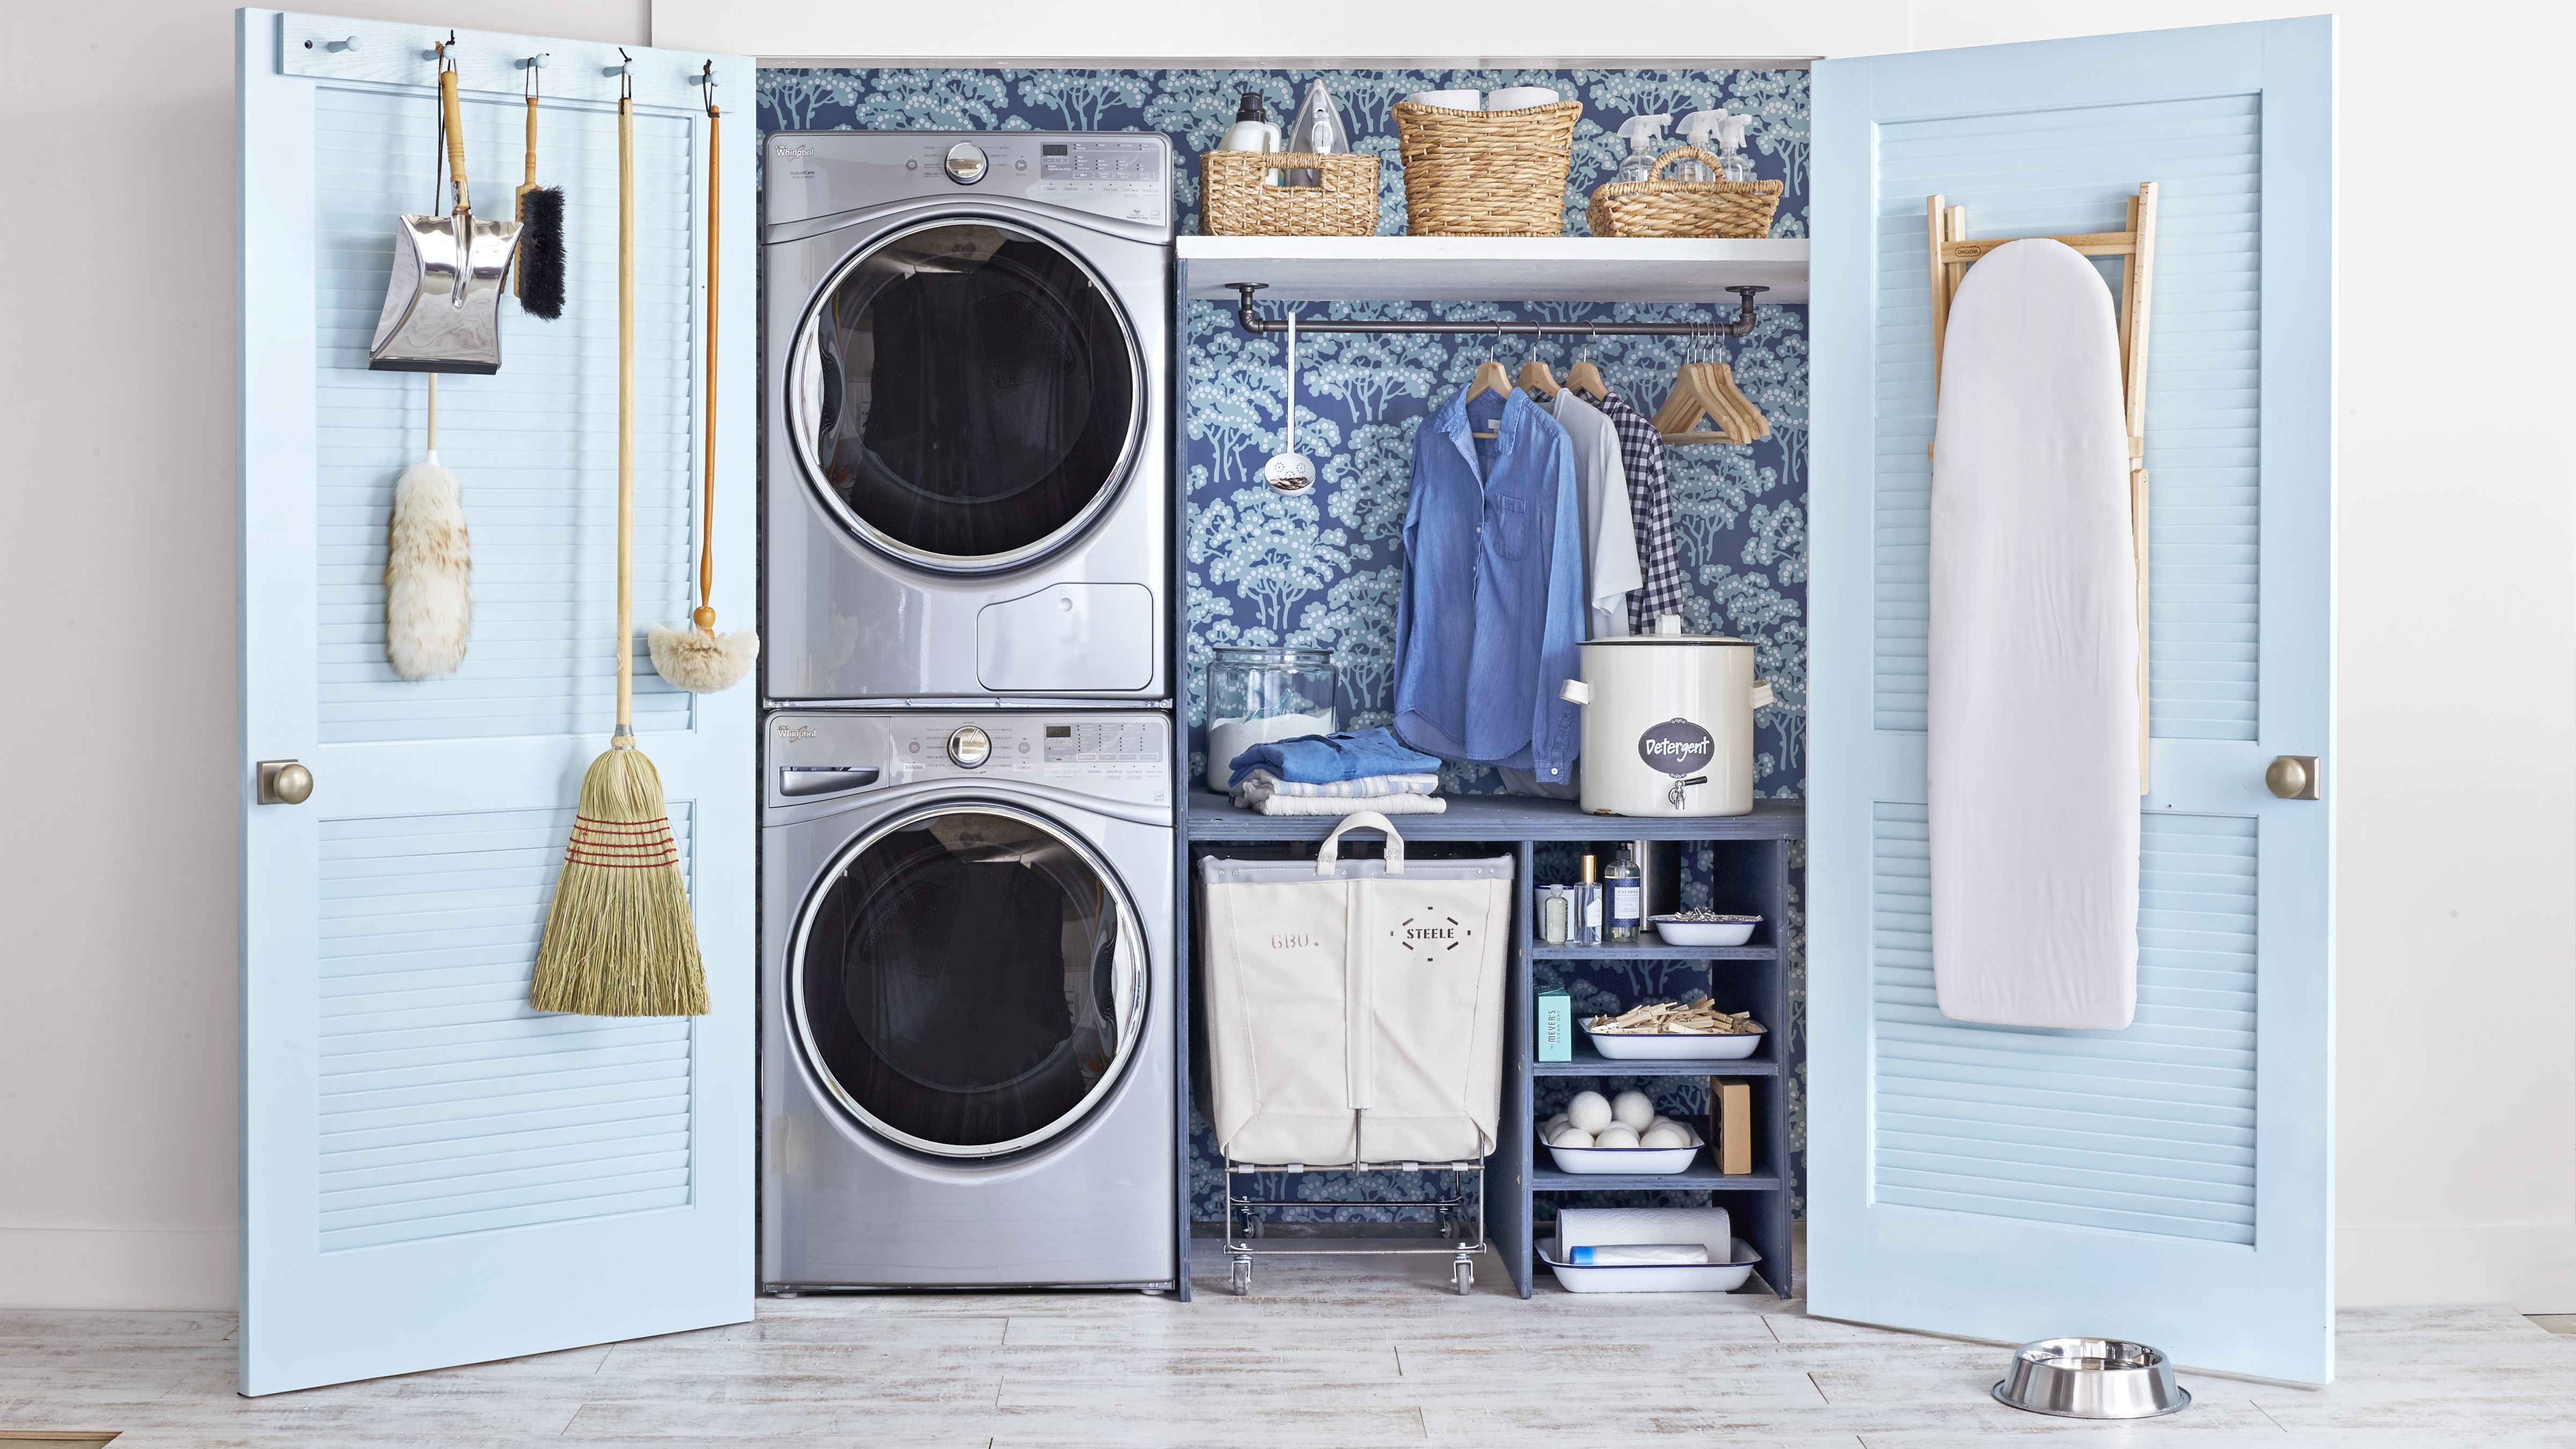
1604,1227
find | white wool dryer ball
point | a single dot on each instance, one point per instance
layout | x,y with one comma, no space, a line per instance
1589,1111
1548,1128
1660,1121
1615,1137
1667,1135
1570,1137
1633,1110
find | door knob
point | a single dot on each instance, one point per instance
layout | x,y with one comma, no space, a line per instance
2292,777
284,782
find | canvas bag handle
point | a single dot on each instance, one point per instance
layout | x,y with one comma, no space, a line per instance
1331,854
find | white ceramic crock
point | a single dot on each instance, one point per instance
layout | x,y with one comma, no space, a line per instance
1668,723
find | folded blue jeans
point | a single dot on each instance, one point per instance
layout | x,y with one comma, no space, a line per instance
1322,759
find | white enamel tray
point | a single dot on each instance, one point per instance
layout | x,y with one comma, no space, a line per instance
1659,1046
1654,1277
1653,1160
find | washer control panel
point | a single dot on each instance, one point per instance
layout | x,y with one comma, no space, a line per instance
1124,176
1120,755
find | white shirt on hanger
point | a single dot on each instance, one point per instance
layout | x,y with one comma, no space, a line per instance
1610,570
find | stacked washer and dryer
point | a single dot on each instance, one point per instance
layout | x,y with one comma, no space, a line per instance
968,1037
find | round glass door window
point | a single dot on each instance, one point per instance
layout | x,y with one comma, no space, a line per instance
967,396
968,981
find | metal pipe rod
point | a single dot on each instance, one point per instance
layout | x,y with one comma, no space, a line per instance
1253,322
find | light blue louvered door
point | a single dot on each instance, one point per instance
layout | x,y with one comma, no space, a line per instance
432,1173
2170,1182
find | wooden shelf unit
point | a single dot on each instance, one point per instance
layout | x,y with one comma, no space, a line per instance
1750,873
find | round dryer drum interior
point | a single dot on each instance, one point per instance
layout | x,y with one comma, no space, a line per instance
968,341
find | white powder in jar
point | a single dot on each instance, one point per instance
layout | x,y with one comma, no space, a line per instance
1227,738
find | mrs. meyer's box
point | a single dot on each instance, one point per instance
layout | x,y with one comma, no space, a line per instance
1555,1027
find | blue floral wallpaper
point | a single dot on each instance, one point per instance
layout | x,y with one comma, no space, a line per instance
1320,568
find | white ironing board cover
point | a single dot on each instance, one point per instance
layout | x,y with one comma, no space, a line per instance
2032,728
1337,987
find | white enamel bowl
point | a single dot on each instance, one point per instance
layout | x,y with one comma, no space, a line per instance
1705,933
1665,1046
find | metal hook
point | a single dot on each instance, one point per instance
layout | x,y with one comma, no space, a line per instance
624,70
441,49
534,87
707,85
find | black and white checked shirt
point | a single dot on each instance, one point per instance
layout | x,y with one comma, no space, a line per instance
1650,507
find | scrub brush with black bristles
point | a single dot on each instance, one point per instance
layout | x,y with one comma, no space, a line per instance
540,279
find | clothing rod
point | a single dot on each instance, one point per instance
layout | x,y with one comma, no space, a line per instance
1742,326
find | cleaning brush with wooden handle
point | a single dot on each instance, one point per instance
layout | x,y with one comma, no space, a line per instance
697,658
540,278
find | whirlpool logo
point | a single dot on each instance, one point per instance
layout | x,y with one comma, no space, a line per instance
797,152
789,734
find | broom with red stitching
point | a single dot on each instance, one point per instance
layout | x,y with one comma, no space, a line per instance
619,940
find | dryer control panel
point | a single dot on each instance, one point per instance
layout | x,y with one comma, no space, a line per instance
1124,176
1119,756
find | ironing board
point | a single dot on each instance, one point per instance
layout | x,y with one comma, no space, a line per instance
2032,726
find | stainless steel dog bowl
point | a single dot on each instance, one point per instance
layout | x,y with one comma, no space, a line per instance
2091,1378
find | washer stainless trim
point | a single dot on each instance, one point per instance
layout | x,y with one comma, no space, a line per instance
804,399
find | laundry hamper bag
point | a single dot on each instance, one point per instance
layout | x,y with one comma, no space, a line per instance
1355,1007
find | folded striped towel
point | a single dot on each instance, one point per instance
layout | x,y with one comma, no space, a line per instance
1353,805
1261,785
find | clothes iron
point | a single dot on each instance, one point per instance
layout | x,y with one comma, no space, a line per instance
443,301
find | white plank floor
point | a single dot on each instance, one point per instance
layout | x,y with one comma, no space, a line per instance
1325,1353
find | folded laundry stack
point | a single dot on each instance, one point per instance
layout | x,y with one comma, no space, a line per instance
1338,775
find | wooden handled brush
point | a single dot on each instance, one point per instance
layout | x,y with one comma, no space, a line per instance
619,938
539,280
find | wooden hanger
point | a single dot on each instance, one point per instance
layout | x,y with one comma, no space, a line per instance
1585,379
1490,377
1706,391
1536,377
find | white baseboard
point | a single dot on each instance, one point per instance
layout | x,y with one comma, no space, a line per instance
105,1268
2528,1269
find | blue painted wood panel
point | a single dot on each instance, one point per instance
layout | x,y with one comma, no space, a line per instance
2172,1181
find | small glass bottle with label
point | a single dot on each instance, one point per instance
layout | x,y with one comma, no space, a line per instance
1625,892
1587,905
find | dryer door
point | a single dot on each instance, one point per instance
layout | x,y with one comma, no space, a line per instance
968,980
966,395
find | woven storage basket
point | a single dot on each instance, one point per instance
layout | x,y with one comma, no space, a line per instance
1486,173
1235,201
1656,207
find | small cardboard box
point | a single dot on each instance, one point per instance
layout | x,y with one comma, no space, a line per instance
1730,1126
1555,1027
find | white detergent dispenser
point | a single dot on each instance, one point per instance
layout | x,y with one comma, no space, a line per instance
1668,723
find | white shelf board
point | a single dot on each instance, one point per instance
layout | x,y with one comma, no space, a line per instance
1493,269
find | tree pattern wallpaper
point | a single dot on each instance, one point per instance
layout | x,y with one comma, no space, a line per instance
1320,569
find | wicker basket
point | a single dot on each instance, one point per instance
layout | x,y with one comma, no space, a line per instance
1486,173
1235,200
1656,207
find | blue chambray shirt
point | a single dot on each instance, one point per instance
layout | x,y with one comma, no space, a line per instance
1491,613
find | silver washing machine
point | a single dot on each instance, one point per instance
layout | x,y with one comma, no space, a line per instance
967,340
967,1025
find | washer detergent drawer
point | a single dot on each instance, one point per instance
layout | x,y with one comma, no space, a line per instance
1067,639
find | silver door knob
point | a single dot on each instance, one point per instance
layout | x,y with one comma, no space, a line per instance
284,782
2292,777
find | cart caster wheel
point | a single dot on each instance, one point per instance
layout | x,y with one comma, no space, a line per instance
1242,1277
1252,1224
1448,1223
1466,1277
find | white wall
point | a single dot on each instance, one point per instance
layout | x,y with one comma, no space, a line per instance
2457,1023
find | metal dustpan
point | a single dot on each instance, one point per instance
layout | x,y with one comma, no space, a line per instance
443,302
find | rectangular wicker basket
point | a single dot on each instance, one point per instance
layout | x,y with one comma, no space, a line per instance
1486,173
1236,200
1656,207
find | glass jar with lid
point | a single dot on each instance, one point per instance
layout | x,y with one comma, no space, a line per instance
1256,695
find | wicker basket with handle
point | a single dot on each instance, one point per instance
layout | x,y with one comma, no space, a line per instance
1656,207
1236,198
1486,173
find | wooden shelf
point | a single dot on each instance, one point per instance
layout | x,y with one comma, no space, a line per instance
1494,269
1510,818
1699,1177
1588,1062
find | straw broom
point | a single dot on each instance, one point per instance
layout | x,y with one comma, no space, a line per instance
619,940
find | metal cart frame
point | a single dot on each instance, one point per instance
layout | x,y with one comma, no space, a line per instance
1244,1220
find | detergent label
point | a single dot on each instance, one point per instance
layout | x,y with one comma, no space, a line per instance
1677,747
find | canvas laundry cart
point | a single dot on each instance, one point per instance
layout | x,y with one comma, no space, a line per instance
1355,1022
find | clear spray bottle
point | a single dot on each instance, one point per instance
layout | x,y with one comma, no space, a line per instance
1645,138
1739,165
1699,128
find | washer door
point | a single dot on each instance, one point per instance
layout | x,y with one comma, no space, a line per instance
967,980
967,396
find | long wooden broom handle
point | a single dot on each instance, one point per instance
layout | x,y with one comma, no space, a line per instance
455,137
705,618
625,422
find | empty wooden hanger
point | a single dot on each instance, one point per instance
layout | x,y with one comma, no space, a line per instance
1706,391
